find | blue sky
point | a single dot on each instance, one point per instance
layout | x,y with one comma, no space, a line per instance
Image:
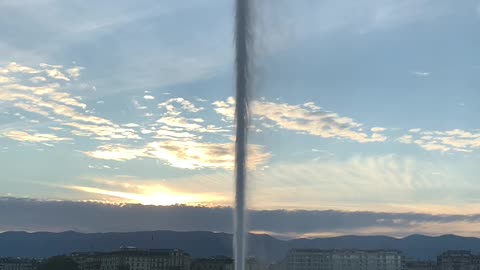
362,105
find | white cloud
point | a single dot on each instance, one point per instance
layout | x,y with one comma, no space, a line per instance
378,129
406,139
55,128
47,99
115,152
225,108
357,183
38,79
184,104
31,108
414,130
138,106
306,119
421,73
34,138
455,140
43,65
56,74
148,97
74,72
131,125
16,68
185,154
180,122
164,133
4,79
192,124
103,131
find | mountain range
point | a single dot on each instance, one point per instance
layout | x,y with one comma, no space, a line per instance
206,244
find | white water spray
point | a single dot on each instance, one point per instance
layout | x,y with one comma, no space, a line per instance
243,84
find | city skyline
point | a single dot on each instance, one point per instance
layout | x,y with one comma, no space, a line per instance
365,107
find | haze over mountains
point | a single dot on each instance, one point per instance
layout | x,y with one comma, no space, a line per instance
205,244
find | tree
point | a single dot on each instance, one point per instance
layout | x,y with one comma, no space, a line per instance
59,263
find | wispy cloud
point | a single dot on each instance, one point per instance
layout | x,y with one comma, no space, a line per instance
421,73
182,153
306,118
173,105
381,183
48,100
34,138
456,140
74,72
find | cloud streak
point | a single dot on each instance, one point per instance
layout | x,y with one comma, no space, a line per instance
181,153
305,119
37,215
456,140
32,138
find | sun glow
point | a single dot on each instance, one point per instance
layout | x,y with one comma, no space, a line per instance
153,196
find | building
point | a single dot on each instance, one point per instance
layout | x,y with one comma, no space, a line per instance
87,260
128,258
421,265
213,263
226,263
456,260
16,264
318,259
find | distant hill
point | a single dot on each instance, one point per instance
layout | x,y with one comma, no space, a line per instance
204,244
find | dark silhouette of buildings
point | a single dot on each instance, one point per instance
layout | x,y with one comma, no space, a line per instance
130,258
343,259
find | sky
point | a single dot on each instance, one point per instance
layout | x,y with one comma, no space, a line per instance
363,108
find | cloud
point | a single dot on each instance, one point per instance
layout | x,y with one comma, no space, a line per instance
104,217
103,131
456,140
186,124
421,73
48,100
32,109
406,139
134,190
185,154
131,125
56,74
43,65
4,79
38,79
359,183
307,119
175,139
184,104
381,183
225,108
377,129
74,72
115,152
414,130
34,138
148,97
192,155
16,68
